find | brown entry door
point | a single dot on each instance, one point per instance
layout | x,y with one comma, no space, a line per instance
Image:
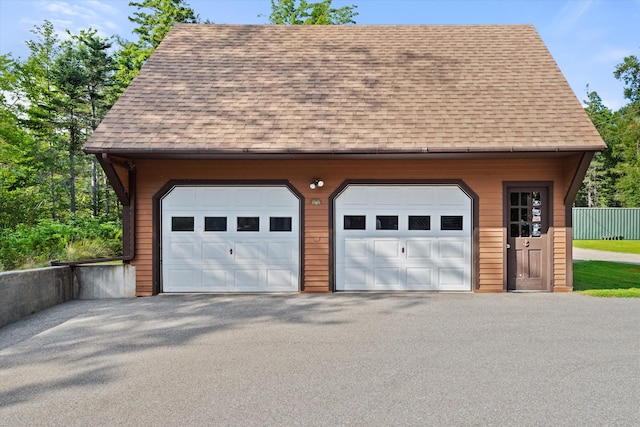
527,215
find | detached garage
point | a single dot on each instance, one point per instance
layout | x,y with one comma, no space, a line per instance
348,158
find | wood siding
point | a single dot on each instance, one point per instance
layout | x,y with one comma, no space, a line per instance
484,177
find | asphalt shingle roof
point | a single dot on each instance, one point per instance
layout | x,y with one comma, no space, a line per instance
211,89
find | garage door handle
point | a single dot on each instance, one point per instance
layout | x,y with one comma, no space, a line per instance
402,250
230,251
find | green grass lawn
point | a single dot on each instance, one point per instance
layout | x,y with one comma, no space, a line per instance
606,279
624,246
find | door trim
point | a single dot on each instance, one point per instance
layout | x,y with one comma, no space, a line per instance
506,187
475,231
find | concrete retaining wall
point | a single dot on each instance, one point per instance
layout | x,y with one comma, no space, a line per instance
106,281
24,292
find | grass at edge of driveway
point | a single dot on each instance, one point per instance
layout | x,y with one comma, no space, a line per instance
606,279
623,246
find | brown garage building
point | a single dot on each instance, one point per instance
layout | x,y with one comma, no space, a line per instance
337,158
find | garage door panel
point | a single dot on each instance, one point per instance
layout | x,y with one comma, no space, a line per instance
246,197
451,278
279,251
386,249
387,277
420,249
250,251
279,279
182,250
421,196
452,249
215,197
182,278
215,279
355,277
419,278
215,251
386,196
246,278
356,249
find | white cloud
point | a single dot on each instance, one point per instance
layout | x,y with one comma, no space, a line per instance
569,16
609,55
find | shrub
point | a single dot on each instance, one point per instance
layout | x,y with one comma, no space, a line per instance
29,246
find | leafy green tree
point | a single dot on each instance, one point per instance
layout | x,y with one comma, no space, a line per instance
18,203
629,72
293,12
154,19
598,188
36,97
628,144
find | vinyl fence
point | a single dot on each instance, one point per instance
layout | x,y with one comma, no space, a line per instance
606,223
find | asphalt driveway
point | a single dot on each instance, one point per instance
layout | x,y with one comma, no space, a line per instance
341,359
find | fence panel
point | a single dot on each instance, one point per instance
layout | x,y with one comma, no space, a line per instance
606,223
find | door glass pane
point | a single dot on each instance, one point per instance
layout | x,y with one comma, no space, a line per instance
524,199
536,201
515,230
515,199
524,214
388,222
524,230
451,222
248,223
420,222
515,214
355,222
215,223
277,223
182,223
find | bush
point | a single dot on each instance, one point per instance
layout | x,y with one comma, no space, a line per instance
32,246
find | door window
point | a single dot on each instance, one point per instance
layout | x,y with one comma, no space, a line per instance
422,222
182,223
277,223
248,223
451,223
355,222
525,214
386,222
215,223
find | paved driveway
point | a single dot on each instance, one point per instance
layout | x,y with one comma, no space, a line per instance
357,359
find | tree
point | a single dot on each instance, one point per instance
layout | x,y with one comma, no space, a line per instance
629,72
598,188
293,12
628,146
154,18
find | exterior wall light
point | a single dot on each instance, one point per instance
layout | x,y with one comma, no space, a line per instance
316,183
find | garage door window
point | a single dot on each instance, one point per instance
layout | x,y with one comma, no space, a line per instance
248,223
278,223
182,223
355,222
386,222
215,223
419,222
451,223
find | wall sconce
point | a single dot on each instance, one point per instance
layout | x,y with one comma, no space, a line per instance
316,183
316,202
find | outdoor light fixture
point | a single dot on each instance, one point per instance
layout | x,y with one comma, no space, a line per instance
316,183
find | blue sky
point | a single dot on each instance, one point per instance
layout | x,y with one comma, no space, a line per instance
587,38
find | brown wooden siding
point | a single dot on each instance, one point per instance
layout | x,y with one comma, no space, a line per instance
484,177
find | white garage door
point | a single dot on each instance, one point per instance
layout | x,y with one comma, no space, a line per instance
403,237
238,239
